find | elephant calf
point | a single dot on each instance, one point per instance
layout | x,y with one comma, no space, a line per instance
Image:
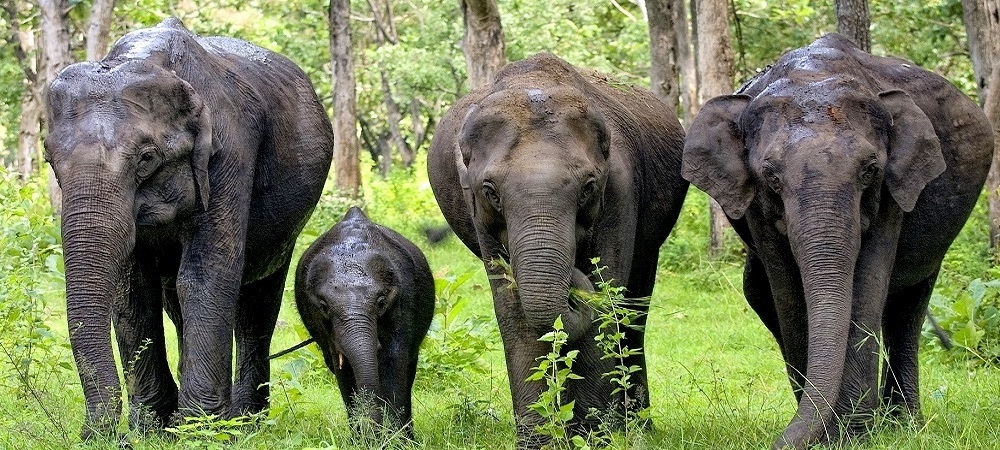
366,294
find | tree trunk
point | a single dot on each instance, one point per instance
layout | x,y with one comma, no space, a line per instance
663,51
345,128
99,28
386,34
853,22
715,75
992,107
686,60
29,133
483,43
55,48
32,106
977,29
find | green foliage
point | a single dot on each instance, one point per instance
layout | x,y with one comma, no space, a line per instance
458,338
972,318
31,352
213,433
555,369
596,35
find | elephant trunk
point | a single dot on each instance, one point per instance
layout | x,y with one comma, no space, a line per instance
825,242
360,347
543,251
98,236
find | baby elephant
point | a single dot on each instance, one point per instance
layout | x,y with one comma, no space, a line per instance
366,294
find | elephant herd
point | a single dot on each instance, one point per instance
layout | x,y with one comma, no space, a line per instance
189,166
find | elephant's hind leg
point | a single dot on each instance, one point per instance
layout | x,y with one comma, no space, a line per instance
906,310
256,315
139,331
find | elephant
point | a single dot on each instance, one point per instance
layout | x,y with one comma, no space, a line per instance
547,168
188,167
847,176
366,295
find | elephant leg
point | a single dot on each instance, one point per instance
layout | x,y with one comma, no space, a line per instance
757,290
906,310
521,347
593,392
635,338
397,369
858,395
256,314
773,288
139,332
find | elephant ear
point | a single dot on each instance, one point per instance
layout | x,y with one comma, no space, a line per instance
713,154
914,151
462,157
204,147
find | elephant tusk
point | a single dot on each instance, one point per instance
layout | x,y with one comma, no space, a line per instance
340,362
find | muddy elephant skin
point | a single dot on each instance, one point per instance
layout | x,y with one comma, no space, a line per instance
847,176
188,167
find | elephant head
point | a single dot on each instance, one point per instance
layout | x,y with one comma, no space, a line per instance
812,160
130,146
350,290
534,165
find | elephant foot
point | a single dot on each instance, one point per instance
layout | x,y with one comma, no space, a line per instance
801,434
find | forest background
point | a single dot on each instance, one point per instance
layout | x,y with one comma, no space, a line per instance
718,379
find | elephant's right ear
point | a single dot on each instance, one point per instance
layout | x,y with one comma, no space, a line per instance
713,154
462,163
203,149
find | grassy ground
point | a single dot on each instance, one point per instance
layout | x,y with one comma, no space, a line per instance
716,375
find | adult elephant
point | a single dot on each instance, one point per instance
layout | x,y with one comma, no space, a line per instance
847,176
546,168
188,167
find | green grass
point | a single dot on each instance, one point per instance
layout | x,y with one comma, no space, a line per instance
716,376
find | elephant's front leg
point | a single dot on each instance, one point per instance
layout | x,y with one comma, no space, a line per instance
256,315
859,393
521,348
208,285
139,331
905,312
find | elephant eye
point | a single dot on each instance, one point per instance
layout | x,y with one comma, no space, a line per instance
490,192
868,173
588,191
772,179
381,304
147,163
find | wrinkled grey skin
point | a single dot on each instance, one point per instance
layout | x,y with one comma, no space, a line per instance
547,168
188,167
847,176
366,294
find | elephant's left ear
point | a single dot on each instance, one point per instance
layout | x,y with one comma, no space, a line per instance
203,149
914,151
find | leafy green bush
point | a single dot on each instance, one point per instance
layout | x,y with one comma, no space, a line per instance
457,340
32,355
972,318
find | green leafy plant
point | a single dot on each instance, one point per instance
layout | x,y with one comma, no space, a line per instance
615,314
556,369
212,432
457,339
972,318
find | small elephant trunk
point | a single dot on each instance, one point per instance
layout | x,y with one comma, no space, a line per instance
98,237
826,246
360,348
